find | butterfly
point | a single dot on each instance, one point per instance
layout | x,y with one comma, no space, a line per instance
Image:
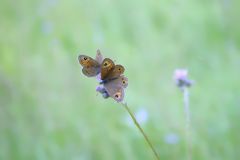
112,81
91,67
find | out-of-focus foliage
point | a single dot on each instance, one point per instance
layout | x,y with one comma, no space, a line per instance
49,110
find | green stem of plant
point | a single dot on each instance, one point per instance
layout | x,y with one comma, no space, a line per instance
141,130
188,126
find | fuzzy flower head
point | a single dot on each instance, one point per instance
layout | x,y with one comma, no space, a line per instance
102,91
181,78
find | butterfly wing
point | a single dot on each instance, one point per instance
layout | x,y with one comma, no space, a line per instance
123,81
117,71
106,66
115,88
87,61
90,71
90,66
99,57
116,92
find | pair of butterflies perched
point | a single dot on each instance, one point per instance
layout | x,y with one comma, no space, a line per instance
110,75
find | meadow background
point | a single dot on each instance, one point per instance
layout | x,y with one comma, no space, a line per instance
49,110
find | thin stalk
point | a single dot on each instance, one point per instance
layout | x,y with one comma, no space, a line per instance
188,129
141,130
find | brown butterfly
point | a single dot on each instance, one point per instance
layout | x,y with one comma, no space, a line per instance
112,79
114,88
91,67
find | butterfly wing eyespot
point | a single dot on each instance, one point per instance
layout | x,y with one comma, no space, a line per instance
107,64
83,60
119,69
124,81
119,95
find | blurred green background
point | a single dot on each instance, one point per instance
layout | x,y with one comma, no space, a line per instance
50,110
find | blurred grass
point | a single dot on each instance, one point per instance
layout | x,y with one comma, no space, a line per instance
49,110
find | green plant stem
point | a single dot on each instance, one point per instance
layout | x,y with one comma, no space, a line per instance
141,130
188,126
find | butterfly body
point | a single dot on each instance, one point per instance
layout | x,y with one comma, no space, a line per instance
107,80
